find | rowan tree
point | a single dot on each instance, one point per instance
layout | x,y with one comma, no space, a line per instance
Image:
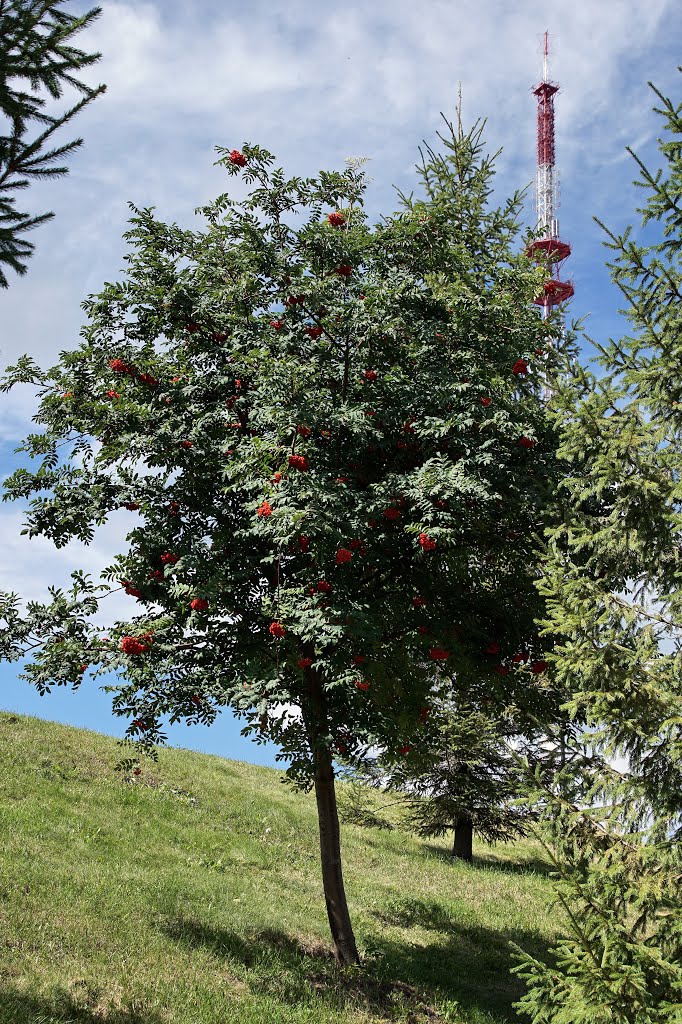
613,585
37,60
334,436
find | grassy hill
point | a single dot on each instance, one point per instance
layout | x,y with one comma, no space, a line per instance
192,895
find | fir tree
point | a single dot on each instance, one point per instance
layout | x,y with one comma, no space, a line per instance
334,438
613,583
36,55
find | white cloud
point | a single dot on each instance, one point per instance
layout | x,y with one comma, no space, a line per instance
30,565
151,63
314,83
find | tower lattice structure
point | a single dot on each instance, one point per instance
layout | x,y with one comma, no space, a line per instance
548,248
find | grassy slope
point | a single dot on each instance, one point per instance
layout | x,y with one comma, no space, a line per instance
192,895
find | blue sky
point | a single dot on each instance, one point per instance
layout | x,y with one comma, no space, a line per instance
313,82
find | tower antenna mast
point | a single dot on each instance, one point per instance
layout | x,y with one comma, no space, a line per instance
548,248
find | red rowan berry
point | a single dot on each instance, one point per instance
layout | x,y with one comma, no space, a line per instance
119,366
426,542
129,645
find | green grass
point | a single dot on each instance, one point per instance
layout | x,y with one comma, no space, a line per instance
192,895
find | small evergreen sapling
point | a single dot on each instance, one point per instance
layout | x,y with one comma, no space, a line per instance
463,781
464,776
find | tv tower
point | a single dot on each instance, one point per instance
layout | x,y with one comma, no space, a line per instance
548,249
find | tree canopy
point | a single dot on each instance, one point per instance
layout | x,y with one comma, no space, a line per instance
334,435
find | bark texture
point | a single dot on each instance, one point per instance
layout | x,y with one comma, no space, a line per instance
464,833
315,720
330,857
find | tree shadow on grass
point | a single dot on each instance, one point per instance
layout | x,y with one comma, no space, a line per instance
463,964
20,1008
408,911
300,973
490,862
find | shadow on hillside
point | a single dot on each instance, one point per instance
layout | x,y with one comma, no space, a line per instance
20,1008
489,862
409,912
465,964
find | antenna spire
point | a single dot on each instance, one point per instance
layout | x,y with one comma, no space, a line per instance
545,61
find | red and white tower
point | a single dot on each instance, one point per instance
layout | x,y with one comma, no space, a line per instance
548,249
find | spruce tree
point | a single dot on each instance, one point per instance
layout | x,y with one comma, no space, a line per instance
613,583
334,438
36,56
464,777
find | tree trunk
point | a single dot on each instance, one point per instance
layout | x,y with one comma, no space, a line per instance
330,856
315,721
462,846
